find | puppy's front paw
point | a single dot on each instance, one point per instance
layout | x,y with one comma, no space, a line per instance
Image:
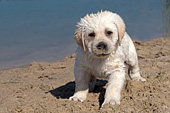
77,98
111,101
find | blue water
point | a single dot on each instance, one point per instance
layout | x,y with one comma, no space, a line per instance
43,30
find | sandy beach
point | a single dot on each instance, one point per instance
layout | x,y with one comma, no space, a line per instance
44,87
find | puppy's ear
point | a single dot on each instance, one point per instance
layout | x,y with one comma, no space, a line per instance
118,21
79,37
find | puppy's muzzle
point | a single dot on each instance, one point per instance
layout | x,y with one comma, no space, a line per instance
101,49
102,46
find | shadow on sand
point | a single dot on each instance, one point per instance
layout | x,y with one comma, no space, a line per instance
67,90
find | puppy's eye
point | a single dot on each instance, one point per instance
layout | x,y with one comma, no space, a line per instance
92,35
109,32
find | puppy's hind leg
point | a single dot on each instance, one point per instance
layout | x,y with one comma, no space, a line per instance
132,61
134,73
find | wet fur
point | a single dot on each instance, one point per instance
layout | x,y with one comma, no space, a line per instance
91,62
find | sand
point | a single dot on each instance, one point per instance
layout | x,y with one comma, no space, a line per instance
44,87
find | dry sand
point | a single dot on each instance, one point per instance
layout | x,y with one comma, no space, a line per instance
44,87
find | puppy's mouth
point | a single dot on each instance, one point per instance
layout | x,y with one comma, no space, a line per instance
102,54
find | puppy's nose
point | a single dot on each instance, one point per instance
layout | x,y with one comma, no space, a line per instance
102,45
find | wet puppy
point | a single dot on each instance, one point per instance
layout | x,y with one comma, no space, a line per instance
104,47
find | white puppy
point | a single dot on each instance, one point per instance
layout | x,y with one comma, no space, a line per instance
104,49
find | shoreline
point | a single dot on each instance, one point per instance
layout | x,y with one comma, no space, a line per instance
50,54
21,64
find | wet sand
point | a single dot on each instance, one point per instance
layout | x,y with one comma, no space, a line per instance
44,87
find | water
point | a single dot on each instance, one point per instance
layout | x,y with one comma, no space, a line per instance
43,30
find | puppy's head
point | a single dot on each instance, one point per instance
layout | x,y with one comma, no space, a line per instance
100,33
